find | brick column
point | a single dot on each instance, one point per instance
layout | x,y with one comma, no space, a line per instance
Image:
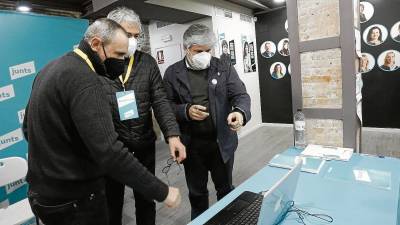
323,59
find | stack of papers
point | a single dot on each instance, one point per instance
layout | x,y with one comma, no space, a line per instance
310,165
328,152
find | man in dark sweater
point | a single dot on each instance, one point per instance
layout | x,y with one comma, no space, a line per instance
141,77
211,104
72,141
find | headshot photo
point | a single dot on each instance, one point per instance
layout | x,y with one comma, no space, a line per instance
289,70
375,35
286,26
366,11
277,70
389,60
367,62
224,47
395,32
283,47
268,49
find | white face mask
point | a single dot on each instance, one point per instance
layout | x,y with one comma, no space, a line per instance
200,61
132,46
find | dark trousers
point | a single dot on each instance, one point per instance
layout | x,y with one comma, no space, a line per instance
88,210
202,156
145,209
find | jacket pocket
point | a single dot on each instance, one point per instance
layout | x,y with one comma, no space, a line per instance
54,213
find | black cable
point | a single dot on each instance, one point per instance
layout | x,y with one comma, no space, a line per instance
302,214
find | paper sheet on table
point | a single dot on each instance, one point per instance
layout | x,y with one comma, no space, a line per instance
328,152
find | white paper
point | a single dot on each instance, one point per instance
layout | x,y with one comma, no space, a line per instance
328,152
362,175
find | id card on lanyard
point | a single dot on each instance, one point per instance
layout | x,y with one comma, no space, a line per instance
126,100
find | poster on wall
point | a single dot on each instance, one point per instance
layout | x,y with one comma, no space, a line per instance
252,57
232,51
367,62
366,11
277,70
395,32
387,60
223,47
375,35
160,57
247,65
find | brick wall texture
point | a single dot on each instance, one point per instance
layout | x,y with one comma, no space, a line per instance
324,132
318,19
321,75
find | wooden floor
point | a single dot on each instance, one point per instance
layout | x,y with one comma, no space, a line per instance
255,149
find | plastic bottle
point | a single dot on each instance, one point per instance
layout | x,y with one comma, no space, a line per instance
299,130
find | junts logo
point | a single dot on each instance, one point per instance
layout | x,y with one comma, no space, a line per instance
21,115
7,92
22,70
15,185
11,138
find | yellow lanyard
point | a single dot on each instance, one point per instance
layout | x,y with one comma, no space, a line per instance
84,57
128,72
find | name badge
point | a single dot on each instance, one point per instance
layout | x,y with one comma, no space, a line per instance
127,105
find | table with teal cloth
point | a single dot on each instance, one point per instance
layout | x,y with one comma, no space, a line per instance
333,191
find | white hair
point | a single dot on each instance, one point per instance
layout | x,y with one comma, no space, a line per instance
105,29
123,14
199,34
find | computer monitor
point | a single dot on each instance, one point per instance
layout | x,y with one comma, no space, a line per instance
278,200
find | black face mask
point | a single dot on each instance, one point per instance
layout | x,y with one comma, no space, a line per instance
115,67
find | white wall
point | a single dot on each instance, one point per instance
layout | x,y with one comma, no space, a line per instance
234,29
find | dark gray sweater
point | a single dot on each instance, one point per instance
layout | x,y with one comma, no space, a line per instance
72,141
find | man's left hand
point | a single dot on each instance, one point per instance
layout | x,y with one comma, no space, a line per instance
235,121
177,149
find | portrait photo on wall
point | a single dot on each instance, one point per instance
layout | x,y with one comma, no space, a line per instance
160,57
277,70
232,51
283,47
268,49
395,32
225,51
375,35
366,11
389,60
367,62
289,70
247,65
252,57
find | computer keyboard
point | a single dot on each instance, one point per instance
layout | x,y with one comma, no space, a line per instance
249,215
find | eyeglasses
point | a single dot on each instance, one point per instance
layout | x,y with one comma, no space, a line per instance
166,169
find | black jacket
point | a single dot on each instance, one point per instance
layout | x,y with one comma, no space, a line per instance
226,93
145,80
71,136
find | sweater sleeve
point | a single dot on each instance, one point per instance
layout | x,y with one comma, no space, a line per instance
160,104
91,115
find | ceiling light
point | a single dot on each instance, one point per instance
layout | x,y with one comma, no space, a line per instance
24,6
279,1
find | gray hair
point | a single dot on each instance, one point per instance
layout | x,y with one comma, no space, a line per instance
103,28
198,34
123,14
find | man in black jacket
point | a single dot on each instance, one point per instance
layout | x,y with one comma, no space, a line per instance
142,77
71,137
211,104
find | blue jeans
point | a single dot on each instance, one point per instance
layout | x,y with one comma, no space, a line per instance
89,210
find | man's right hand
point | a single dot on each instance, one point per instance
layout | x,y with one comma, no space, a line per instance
173,199
198,112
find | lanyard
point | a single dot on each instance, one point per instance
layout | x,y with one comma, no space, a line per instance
84,57
128,72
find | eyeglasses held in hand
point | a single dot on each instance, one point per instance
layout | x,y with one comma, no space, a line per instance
166,169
